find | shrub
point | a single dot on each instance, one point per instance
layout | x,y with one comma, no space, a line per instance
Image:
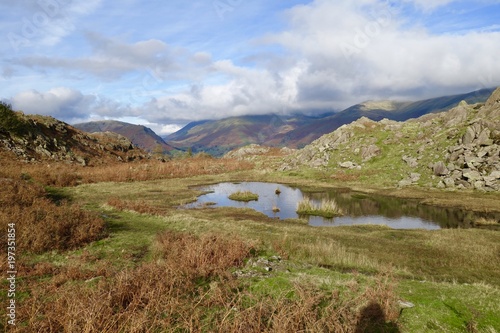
10,121
40,224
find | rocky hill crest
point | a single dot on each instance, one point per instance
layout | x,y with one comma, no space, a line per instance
458,149
38,138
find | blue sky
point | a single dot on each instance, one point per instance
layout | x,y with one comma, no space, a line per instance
164,64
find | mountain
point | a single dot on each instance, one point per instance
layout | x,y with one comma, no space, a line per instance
457,149
378,110
139,135
39,138
219,136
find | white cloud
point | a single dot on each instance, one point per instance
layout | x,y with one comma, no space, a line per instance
61,103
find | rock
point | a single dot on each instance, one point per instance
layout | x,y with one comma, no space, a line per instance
449,182
495,174
471,175
484,138
494,99
348,165
469,136
479,185
411,161
441,184
367,153
457,115
440,169
404,183
415,177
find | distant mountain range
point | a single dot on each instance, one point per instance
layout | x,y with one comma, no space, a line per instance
141,136
296,131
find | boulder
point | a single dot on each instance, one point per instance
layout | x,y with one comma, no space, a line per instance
457,115
469,136
411,161
471,175
440,169
348,165
367,153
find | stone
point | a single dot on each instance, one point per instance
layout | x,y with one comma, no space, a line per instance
440,169
404,183
347,165
449,182
471,175
469,136
479,185
495,174
367,153
457,115
411,161
415,177
441,184
484,138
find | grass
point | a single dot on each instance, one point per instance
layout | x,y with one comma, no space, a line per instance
244,196
327,208
159,268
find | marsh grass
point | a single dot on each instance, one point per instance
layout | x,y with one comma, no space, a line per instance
327,208
244,196
486,222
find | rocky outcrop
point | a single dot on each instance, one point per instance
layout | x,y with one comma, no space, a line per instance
46,138
458,149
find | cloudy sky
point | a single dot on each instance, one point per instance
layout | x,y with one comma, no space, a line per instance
166,63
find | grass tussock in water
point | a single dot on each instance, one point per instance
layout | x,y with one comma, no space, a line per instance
327,208
244,196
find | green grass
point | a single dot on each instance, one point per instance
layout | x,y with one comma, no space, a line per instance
327,208
244,196
459,267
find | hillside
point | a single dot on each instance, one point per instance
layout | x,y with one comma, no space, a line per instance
37,138
219,136
457,149
139,135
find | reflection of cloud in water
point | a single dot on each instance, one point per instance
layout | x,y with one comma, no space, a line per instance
358,208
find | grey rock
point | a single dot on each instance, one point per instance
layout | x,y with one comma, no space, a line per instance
367,153
348,165
449,182
479,185
404,183
440,169
411,161
495,174
484,138
472,175
415,177
469,136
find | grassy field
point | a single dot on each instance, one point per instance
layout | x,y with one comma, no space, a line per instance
155,267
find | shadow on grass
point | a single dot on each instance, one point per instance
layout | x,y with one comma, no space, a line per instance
372,320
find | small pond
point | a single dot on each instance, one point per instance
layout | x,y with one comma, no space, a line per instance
358,208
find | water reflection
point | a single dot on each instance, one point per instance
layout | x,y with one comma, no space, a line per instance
358,208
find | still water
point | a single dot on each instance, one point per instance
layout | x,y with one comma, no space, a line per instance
358,208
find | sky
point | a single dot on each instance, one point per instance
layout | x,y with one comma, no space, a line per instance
164,64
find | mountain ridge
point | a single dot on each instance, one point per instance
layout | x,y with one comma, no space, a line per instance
139,135
296,131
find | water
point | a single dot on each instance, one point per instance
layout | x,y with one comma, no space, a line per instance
358,208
